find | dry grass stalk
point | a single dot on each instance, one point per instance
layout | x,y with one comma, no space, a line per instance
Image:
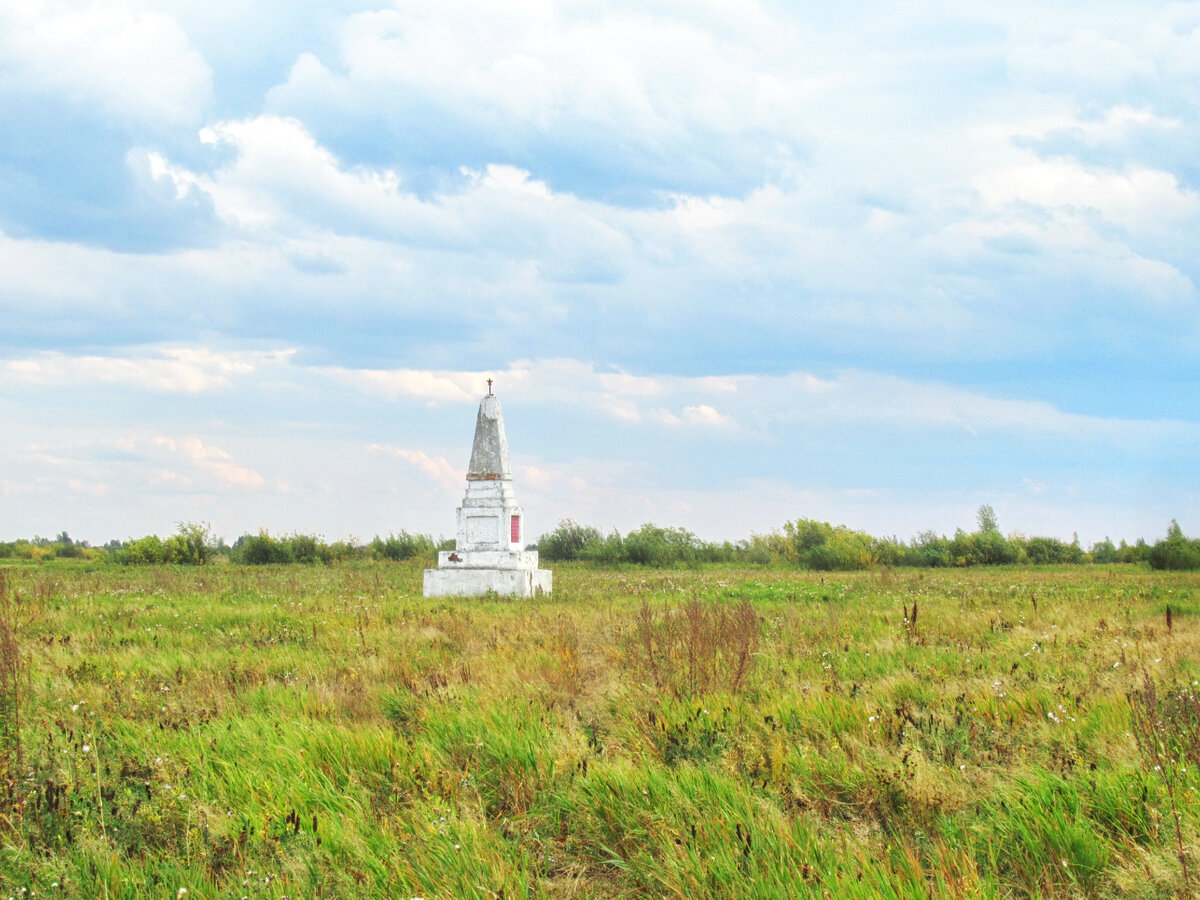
698,647
1167,730
910,623
10,689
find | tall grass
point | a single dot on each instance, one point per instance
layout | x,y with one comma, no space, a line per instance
275,731
10,691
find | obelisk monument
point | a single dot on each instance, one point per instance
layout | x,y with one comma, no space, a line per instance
488,554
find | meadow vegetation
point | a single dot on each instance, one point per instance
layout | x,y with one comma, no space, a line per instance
277,731
805,543
820,546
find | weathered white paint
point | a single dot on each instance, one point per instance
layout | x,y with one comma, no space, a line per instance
486,558
473,582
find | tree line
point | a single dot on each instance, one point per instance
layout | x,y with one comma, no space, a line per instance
810,544
804,543
194,544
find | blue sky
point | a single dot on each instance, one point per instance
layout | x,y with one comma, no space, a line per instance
730,263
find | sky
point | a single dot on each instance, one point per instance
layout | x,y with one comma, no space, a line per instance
730,264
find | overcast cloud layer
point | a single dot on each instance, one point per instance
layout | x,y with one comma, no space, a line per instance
729,263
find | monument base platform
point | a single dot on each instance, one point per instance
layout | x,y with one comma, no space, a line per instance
473,582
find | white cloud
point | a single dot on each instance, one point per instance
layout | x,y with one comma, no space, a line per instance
1084,57
1121,122
807,257
703,414
435,387
675,92
540,63
757,402
136,65
118,470
281,183
280,173
1139,198
172,370
213,468
436,468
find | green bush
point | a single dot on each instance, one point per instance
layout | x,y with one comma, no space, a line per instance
307,549
1139,552
402,546
651,545
608,551
568,541
261,549
65,548
1042,551
143,551
340,551
982,548
929,549
1176,552
804,536
189,546
827,548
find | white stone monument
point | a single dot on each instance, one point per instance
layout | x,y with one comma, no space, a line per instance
488,554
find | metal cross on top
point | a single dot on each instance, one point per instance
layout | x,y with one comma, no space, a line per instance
489,387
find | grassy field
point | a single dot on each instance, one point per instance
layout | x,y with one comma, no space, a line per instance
268,732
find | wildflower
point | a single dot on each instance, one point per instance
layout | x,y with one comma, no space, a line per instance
87,748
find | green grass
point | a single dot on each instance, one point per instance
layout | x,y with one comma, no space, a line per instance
276,732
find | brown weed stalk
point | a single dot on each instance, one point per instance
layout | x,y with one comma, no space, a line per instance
697,647
1167,730
10,688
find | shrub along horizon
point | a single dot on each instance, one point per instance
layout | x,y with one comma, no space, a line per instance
821,546
804,543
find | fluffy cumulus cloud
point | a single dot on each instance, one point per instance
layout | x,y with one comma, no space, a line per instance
622,103
758,405
132,64
187,370
436,469
80,84
702,244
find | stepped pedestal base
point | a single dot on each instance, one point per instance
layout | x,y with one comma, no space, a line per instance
473,582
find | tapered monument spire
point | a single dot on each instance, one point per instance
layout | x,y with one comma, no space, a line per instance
489,452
